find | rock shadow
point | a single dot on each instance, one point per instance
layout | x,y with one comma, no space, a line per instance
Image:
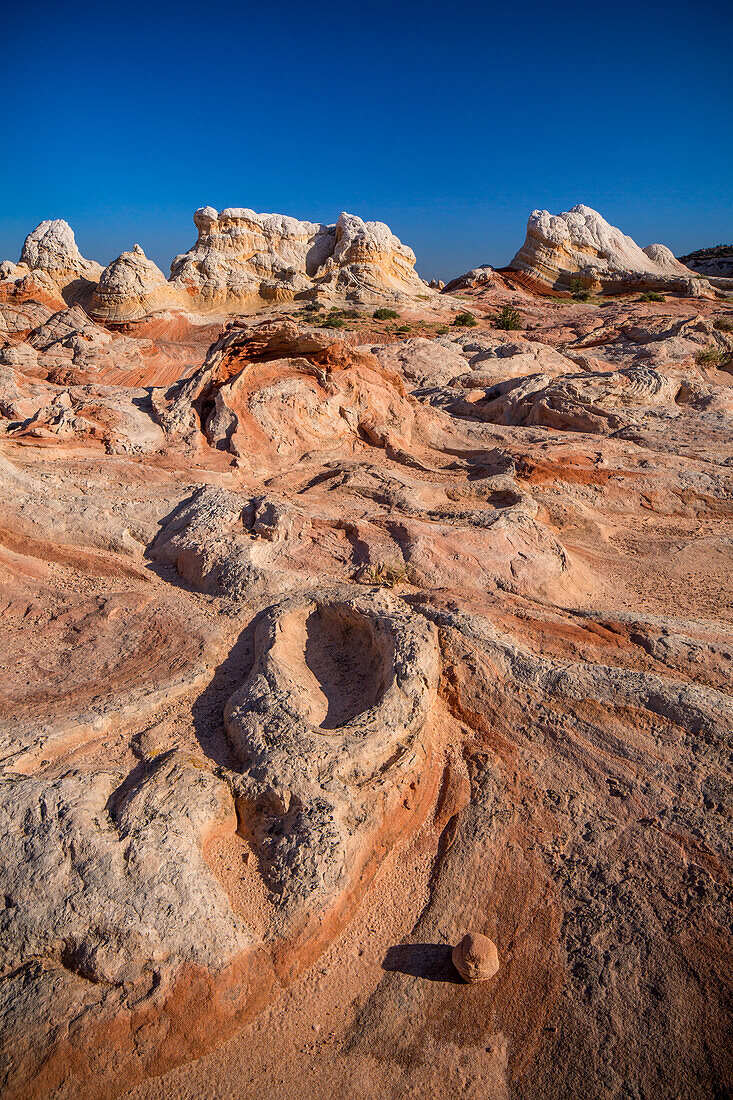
431,961
345,664
208,709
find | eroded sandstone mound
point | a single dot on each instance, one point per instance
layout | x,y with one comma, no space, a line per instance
51,262
242,259
130,288
581,244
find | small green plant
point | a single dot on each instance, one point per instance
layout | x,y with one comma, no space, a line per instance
334,320
652,296
404,328
509,319
578,291
312,307
384,314
385,574
442,330
465,320
724,324
711,356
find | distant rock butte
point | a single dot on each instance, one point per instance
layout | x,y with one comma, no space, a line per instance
242,259
716,262
581,244
52,248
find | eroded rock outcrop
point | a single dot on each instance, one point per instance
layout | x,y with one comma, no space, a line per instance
716,262
332,649
51,258
581,244
132,287
242,257
327,730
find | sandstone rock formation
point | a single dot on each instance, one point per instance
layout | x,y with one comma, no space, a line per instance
337,702
321,649
242,257
51,247
581,244
714,262
130,288
51,260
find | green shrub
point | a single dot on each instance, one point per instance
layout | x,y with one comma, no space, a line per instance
724,324
578,291
509,319
405,328
710,356
334,320
652,296
384,314
312,307
465,320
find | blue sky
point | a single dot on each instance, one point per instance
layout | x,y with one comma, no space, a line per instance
449,121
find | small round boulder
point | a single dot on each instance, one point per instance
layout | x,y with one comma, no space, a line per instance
476,958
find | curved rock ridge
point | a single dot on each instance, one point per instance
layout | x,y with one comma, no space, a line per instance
326,729
241,257
581,243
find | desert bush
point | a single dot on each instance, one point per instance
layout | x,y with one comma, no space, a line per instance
724,324
651,296
384,314
509,319
465,320
385,574
710,356
578,291
334,320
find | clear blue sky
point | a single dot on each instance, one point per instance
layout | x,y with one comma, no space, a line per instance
450,121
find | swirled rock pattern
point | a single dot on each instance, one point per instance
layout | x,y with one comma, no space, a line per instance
336,703
327,638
